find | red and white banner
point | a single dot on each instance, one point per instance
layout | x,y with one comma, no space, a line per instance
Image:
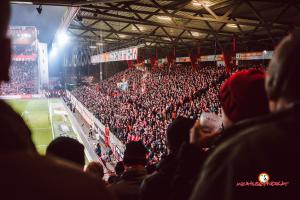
260,55
113,56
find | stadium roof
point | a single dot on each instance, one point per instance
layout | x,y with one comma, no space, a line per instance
184,23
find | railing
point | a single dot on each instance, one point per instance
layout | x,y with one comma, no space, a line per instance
115,144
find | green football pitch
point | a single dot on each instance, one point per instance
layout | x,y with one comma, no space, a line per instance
35,113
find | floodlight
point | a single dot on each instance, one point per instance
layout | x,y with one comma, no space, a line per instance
53,52
62,39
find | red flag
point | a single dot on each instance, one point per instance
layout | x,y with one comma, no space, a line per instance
154,62
106,136
193,58
130,64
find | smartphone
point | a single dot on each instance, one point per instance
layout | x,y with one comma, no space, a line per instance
210,122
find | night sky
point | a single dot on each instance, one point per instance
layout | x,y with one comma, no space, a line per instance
47,23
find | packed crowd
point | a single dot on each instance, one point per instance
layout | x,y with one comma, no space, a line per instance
254,156
152,101
23,79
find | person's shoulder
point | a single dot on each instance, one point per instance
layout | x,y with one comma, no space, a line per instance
269,144
253,135
152,180
240,136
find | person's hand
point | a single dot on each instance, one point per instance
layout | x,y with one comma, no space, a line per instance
201,135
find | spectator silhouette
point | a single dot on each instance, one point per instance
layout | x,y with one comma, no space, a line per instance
242,91
266,144
134,163
158,186
95,169
67,148
119,170
24,173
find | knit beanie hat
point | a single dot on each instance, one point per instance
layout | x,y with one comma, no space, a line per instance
243,95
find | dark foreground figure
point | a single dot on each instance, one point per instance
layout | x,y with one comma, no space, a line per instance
268,144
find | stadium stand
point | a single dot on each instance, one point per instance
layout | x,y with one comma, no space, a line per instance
152,101
250,151
24,77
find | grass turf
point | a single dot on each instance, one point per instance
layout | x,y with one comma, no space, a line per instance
35,113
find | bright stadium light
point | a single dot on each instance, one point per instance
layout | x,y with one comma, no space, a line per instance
53,52
166,38
202,3
231,25
122,35
196,34
166,18
62,39
137,28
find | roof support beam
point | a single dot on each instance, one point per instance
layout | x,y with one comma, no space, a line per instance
152,23
77,27
266,25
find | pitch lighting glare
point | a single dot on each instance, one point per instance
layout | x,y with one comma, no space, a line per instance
166,18
93,47
99,44
53,52
62,39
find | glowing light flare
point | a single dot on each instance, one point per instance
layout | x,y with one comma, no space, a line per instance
232,25
122,36
62,39
53,52
196,34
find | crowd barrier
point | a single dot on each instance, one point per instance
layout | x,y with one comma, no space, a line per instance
115,144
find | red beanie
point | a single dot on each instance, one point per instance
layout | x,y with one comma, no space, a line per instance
243,95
